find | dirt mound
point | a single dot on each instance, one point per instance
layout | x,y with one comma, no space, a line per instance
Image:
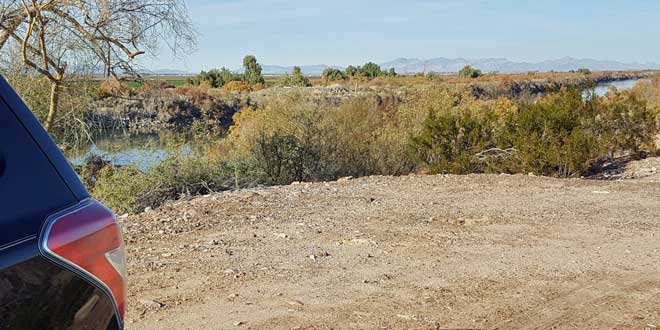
414,252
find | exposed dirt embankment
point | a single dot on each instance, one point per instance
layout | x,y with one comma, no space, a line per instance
516,88
161,110
414,252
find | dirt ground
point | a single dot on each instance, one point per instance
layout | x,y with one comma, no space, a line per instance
414,252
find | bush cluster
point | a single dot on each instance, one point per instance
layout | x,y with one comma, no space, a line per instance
560,135
296,79
368,71
130,190
469,72
298,137
220,78
214,78
293,139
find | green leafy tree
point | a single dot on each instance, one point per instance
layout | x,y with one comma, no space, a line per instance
330,74
584,71
431,75
214,78
351,71
469,72
391,73
297,78
252,74
371,70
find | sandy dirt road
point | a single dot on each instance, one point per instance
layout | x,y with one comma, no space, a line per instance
415,252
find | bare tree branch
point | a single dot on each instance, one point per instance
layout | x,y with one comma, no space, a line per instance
54,35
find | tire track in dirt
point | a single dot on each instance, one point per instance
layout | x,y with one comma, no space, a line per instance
591,302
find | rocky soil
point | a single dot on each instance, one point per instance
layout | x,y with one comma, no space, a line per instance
413,252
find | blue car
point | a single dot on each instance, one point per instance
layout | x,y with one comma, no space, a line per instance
62,262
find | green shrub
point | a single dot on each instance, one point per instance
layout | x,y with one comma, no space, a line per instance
214,78
560,135
554,137
469,72
295,79
432,76
450,139
625,122
392,72
285,159
584,71
129,190
252,71
330,74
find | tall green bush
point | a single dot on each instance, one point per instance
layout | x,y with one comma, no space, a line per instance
560,135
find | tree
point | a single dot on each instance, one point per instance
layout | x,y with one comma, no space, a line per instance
351,71
214,78
391,73
297,78
469,72
584,71
252,74
371,70
330,74
55,37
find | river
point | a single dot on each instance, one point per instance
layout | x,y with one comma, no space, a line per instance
602,89
142,150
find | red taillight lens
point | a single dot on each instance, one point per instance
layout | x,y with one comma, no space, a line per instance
89,239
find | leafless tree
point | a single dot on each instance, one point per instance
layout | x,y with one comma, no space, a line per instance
54,35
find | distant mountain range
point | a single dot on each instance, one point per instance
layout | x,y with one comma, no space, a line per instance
452,65
441,64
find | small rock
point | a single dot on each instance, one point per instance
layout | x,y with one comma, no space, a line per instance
295,303
151,303
239,323
282,235
148,209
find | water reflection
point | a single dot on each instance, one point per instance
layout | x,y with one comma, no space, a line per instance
602,89
143,150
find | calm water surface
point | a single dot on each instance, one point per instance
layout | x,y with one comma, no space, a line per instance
142,150
602,89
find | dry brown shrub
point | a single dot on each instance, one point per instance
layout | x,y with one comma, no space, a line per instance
236,86
113,88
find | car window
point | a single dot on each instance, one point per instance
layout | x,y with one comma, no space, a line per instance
30,188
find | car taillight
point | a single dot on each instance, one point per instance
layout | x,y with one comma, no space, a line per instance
89,239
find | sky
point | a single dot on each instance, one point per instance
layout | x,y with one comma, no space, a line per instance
342,32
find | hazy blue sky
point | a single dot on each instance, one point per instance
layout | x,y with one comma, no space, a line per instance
341,32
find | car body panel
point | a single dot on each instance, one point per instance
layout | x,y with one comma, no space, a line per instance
36,183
